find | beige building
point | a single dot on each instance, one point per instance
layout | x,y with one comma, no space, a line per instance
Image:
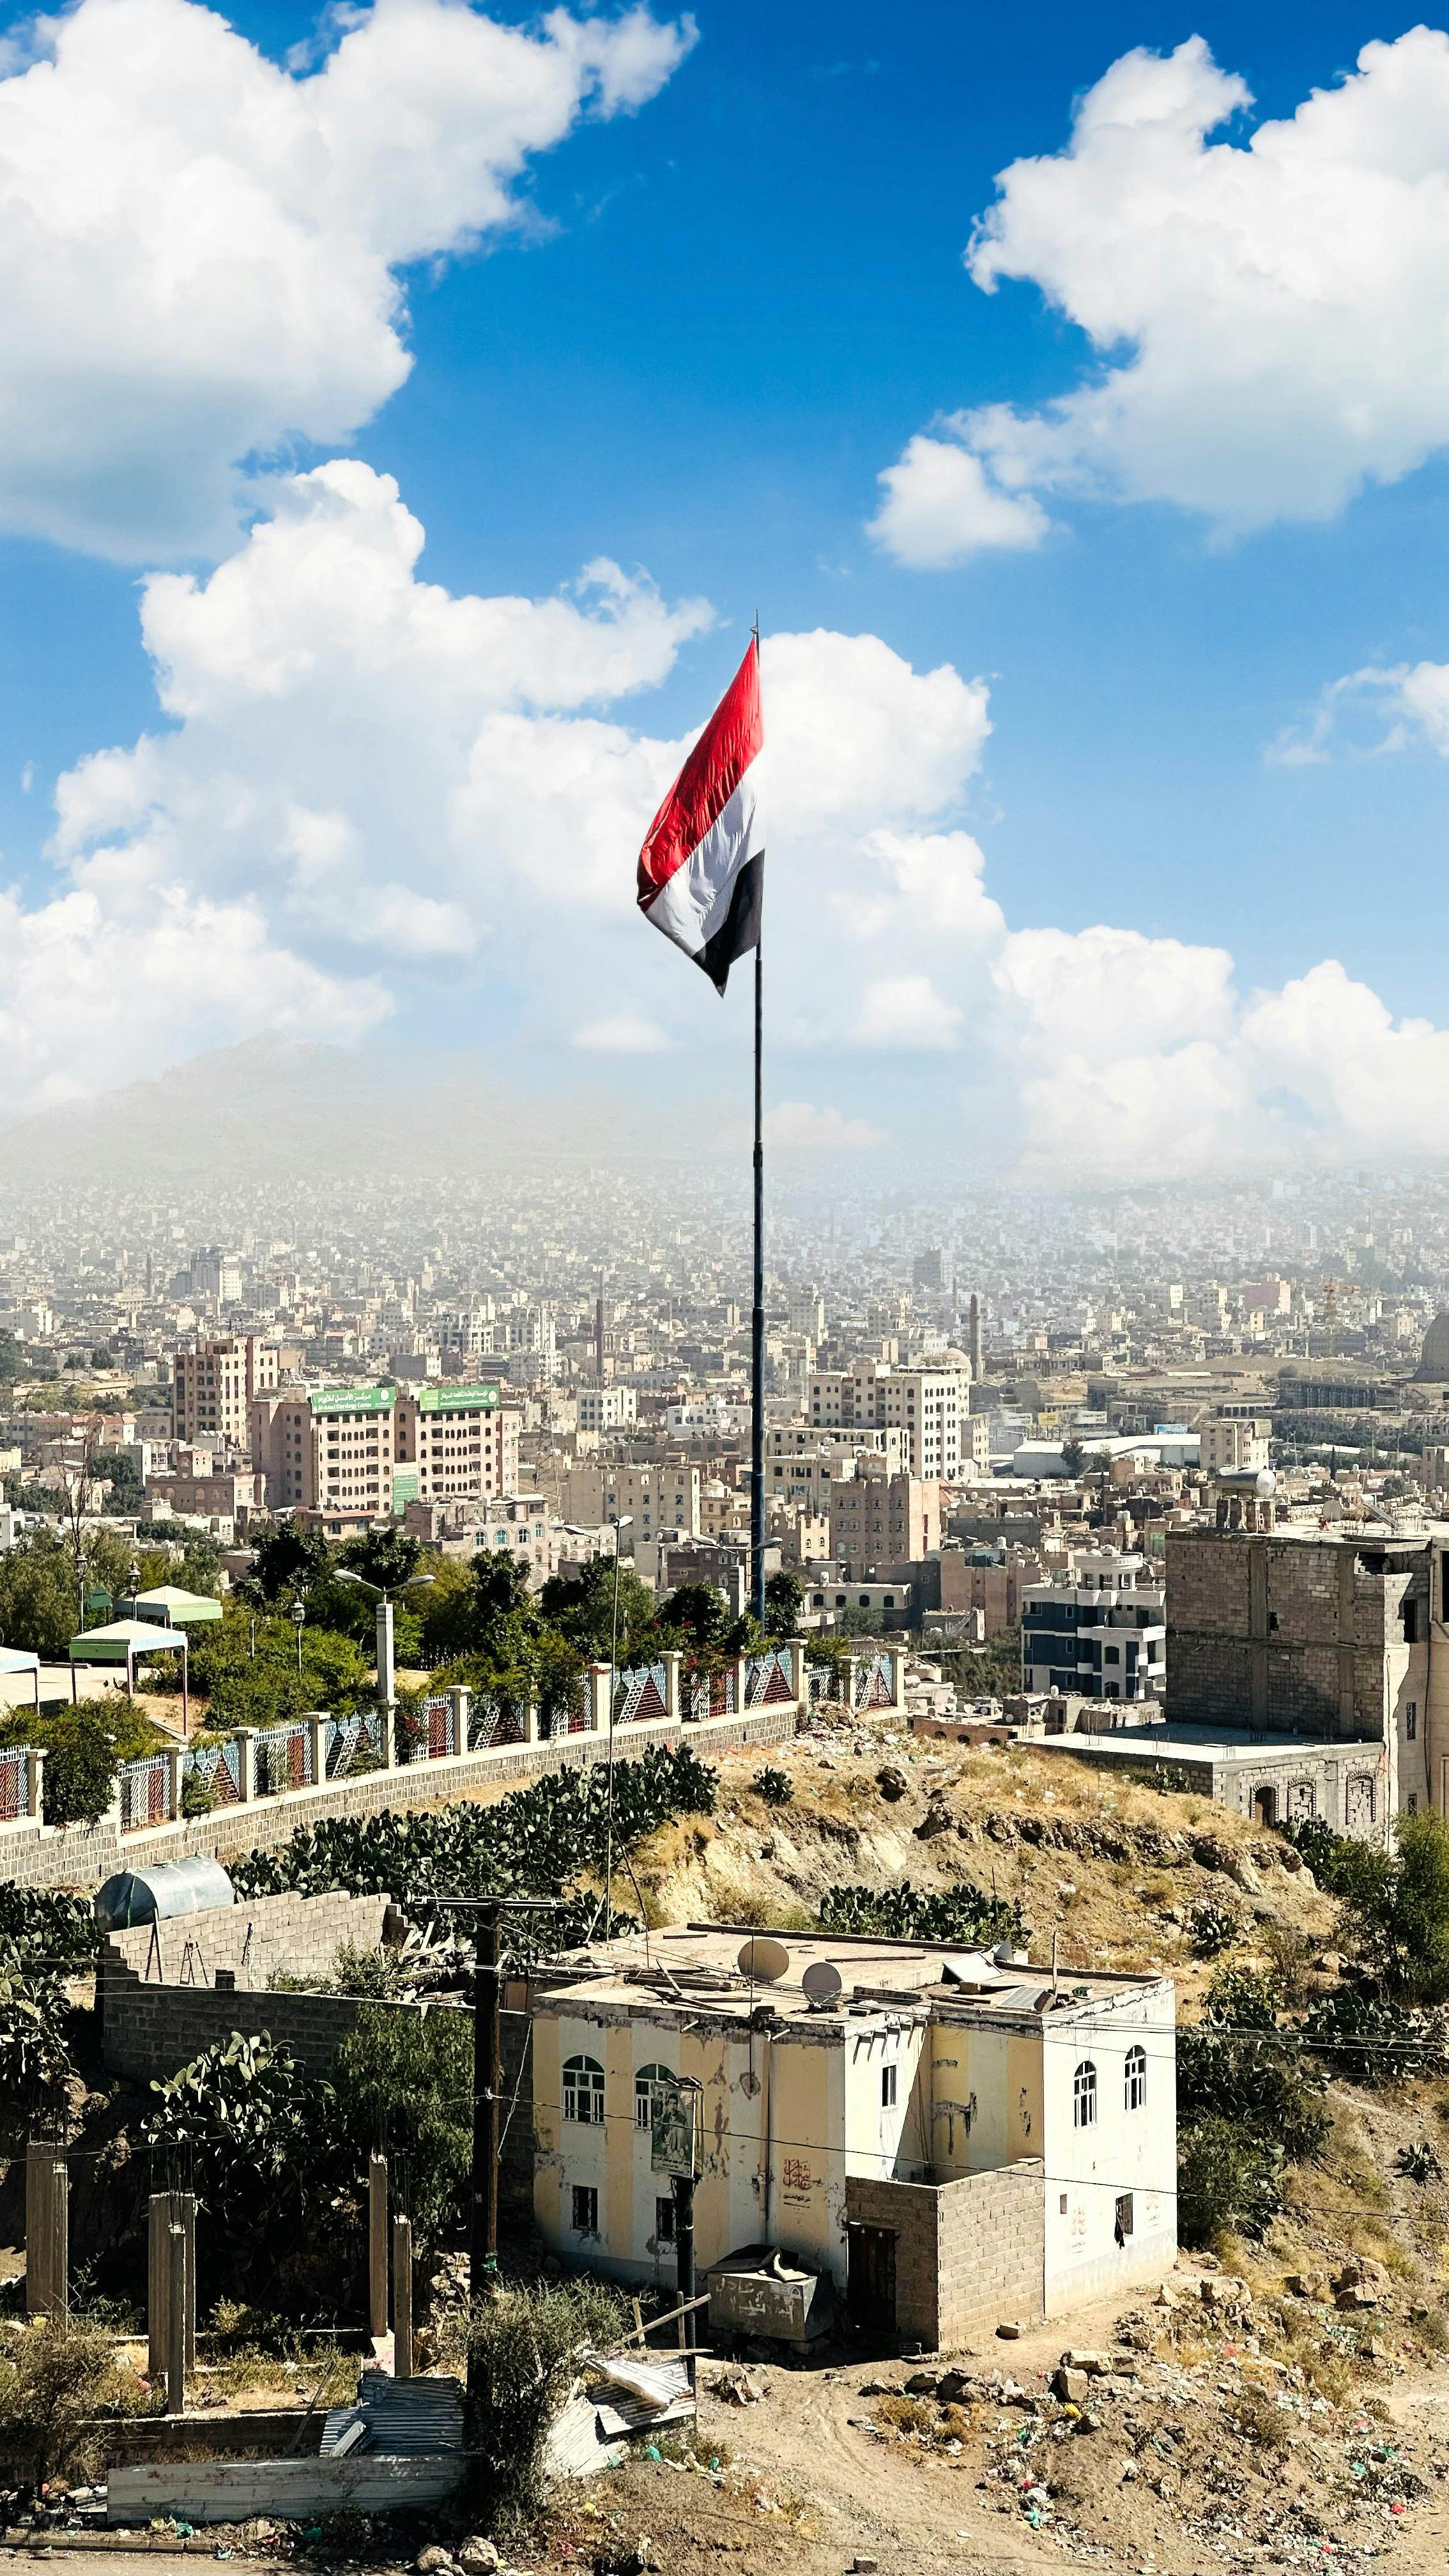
880,1519
454,1441
654,1498
212,1387
607,1408
927,1405
373,1449
1233,1444
949,2139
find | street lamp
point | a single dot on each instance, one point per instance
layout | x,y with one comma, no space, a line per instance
299,1613
619,1521
382,1593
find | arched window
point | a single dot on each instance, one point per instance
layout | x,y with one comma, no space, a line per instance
1084,2096
645,2082
583,2088
1135,2086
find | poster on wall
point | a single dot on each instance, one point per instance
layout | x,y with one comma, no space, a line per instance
672,2125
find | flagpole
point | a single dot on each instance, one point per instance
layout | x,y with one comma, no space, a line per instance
757,1318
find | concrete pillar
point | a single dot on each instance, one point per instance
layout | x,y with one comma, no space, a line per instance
740,1681
168,2210
47,2231
175,1761
316,1721
402,2298
673,1662
462,1701
797,1671
389,1738
246,1737
897,1656
377,2247
598,1690
531,1733
176,2322
35,1801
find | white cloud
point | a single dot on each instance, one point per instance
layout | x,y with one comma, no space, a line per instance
367,782
796,1127
199,251
1370,712
1270,316
625,1035
940,508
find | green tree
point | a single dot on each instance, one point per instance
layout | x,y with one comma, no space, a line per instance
289,1559
1073,1455
583,1611
784,1599
255,2136
695,1614
1395,1908
386,1557
407,2077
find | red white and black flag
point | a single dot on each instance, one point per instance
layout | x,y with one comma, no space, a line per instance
702,867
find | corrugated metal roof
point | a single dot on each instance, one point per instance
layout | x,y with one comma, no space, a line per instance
403,2417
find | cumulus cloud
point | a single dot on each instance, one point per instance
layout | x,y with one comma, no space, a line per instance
1270,315
797,1127
1370,712
200,251
905,1015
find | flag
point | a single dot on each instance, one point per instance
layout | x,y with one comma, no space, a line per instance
701,870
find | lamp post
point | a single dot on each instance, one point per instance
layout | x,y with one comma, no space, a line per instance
299,1613
619,1521
383,1594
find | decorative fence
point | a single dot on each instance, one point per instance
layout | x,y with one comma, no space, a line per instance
145,1791
566,1713
354,1743
872,1682
442,1724
819,1683
769,1677
216,1769
642,1693
704,1694
492,1722
283,1759
14,1783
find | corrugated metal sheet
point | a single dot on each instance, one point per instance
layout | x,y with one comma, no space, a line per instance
203,2491
404,2417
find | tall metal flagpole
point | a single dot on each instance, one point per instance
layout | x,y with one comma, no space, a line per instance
757,1319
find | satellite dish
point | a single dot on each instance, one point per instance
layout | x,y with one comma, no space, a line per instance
763,1961
822,1981
1266,1482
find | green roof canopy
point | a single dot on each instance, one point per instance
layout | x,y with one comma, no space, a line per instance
181,1609
122,1640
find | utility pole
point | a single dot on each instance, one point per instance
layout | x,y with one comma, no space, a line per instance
682,2186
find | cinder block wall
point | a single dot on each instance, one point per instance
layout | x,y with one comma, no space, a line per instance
968,2252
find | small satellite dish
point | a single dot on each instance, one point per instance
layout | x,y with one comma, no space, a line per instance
763,1961
822,1981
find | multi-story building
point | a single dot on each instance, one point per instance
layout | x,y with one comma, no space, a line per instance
1234,1444
880,1519
654,1498
945,2139
1099,1632
607,1408
212,1387
454,1441
520,1525
928,1405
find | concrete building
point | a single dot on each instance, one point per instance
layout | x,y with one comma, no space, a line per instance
877,1519
1232,1444
654,1498
946,2139
606,1408
455,1441
928,1405
1100,1631
213,1386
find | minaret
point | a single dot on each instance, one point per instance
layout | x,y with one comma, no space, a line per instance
974,1343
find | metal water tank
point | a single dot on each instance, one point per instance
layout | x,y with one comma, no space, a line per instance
159,1894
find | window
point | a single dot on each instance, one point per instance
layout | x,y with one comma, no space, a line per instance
645,2084
1123,2228
585,2210
1413,1804
583,2090
888,2088
1084,2096
1411,1720
1062,2204
1135,2086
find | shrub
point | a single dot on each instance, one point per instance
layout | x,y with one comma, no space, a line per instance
255,2137
524,2348
39,1925
1212,1928
1374,2040
56,2376
407,2078
775,1787
1395,1908
959,1916
1229,2179
35,2057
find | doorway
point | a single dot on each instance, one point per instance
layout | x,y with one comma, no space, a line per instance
870,2280
1265,1806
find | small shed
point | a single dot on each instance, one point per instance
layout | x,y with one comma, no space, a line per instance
159,1894
170,1605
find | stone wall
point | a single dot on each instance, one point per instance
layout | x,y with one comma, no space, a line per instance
1291,1635
84,1856
968,2253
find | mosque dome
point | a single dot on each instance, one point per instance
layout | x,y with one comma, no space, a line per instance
1434,1357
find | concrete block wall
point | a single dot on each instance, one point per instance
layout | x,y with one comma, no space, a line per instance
1290,1635
84,1856
968,2252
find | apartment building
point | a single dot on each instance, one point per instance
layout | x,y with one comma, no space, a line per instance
455,1440
607,1408
879,1519
928,1405
653,1497
1234,1444
213,1386
1099,1631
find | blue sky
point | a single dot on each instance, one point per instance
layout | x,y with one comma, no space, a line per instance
742,299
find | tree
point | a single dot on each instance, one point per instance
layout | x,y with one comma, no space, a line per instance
1395,1908
784,1599
256,2134
408,2077
583,1611
1072,1455
289,1559
386,1557
696,1615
